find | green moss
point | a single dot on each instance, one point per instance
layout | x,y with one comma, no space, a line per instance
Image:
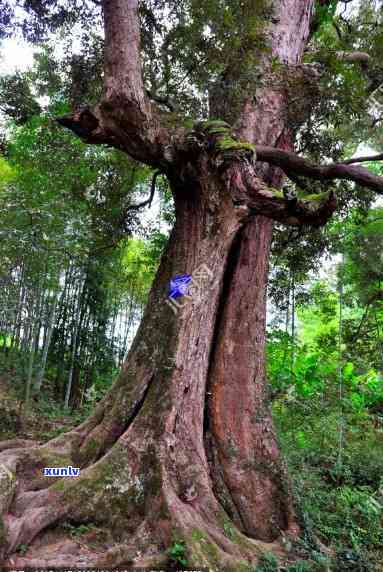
302,196
200,549
111,492
93,445
277,193
318,197
212,124
244,567
218,130
46,455
130,502
59,486
235,536
224,144
3,532
211,552
230,144
229,530
198,535
90,452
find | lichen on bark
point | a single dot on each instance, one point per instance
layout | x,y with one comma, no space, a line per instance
7,488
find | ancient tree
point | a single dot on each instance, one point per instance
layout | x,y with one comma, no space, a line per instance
183,446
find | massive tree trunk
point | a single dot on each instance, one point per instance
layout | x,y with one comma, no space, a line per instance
183,445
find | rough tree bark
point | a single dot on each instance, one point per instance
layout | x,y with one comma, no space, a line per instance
183,445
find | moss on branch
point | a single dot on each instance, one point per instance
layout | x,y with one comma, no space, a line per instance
223,142
315,197
228,143
212,124
277,193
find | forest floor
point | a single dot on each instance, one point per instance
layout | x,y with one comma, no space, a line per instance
41,426
35,424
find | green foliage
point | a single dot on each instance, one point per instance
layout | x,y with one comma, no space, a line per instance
348,517
22,549
352,561
339,495
324,16
310,371
16,98
177,553
268,563
76,530
139,266
229,530
328,401
208,43
302,566
6,173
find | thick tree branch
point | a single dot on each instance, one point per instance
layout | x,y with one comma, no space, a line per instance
126,109
362,58
161,100
123,83
124,119
354,57
291,163
364,159
251,193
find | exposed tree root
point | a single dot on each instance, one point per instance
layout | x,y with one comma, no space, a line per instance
143,508
55,549
17,444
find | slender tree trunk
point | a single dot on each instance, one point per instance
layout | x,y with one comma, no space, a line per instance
18,313
293,328
77,326
47,343
34,337
31,360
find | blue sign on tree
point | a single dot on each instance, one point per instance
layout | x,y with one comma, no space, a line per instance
179,285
